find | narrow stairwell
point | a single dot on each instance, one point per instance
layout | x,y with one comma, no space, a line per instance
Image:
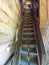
28,48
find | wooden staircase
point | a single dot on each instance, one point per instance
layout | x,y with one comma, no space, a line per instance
28,47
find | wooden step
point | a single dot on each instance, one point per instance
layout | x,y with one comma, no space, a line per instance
31,42
26,30
28,35
27,22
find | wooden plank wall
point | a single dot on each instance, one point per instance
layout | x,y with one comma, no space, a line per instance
48,12
44,24
43,13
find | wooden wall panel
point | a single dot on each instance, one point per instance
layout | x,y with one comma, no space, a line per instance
48,12
44,25
43,13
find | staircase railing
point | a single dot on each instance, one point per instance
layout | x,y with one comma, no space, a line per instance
40,44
